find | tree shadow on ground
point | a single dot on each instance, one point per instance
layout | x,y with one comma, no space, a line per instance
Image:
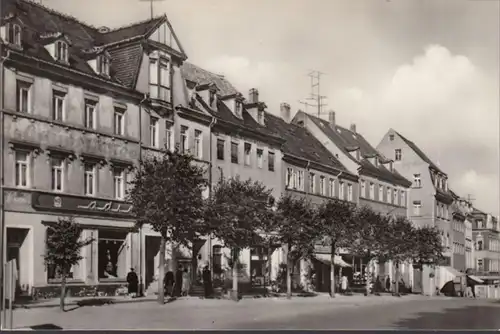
469,317
91,302
45,327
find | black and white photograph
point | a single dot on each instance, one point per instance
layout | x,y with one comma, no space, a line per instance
250,165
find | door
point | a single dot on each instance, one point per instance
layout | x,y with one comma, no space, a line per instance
152,249
417,280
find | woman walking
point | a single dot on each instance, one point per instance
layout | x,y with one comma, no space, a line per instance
186,282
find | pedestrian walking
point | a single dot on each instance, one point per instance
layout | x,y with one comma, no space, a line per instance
169,283
186,282
207,282
343,283
133,283
178,282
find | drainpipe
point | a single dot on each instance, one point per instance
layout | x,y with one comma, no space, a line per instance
210,168
141,272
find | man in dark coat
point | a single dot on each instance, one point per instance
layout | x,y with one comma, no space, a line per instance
178,282
133,283
169,282
207,282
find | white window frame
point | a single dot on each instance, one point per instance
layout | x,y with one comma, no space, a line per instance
169,136
198,144
23,87
331,186
184,136
14,34
417,208
119,122
322,185
61,51
403,197
362,189
18,170
300,180
58,110
389,195
119,179
349,192
104,65
372,191
312,183
395,196
417,181
247,161
288,177
341,190
159,85
90,115
54,170
398,154
260,157
154,131
89,179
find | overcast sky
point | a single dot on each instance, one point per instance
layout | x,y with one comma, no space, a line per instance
427,68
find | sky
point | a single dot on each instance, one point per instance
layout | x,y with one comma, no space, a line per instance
427,68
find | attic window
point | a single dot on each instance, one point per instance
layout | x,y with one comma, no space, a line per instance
260,117
237,108
14,34
391,137
212,98
103,65
61,51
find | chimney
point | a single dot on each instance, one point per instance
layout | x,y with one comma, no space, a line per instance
253,96
353,127
331,118
285,112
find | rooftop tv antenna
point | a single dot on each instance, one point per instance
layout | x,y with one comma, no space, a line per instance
315,97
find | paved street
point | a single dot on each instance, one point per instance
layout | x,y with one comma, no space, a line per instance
410,312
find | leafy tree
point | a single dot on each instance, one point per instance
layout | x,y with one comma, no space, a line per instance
294,228
399,244
238,212
427,246
63,249
336,222
370,234
167,194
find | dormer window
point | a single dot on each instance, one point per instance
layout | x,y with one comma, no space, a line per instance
61,51
14,34
159,79
237,108
260,116
212,98
103,65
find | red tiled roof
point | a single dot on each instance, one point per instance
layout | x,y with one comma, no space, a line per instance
346,139
37,20
420,153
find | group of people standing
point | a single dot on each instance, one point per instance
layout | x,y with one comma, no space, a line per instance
178,284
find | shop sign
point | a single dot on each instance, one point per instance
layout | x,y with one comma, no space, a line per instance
82,205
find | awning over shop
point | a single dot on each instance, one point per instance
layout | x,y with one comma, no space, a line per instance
454,272
475,278
338,261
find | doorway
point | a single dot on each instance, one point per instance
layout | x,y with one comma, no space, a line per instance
18,249
152,245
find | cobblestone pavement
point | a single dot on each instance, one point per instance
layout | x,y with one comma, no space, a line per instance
356,312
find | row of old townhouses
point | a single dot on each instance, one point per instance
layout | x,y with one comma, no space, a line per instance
82,105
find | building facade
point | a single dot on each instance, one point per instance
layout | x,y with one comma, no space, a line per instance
381,187
486,237
429,205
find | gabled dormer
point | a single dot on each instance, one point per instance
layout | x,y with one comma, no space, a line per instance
163,36
255,108
11,31
57,44
208,92
354,151
160,78
235,103
373,159
99,59
389,164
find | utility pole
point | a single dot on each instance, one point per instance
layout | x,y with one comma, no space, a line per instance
151,5
315,95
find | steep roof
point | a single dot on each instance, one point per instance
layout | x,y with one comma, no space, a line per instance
346,140
300,143
201,76
420,153
38,20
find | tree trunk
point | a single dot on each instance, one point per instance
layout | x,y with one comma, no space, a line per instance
234,292
288,275
396,288
161,273
367,274
269,264
332,271
63,292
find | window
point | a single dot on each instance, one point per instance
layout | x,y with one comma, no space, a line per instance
417,206
198,147
312,183
270,163
153,131
103,65
480,245
322,185
119,183
234,152
169,136
417,182
119,122
248,149
89,180
363,188
341,190
403,198
260,117
22,169
14,34
300,180
159,79
372,191
445,210
184,139
391,137
23,97
331,185
479,264
57,165
395,194
112,254
397,154
290,178
380,193
220,149
260,154
349,192
90,115
212,98
389,197
61,51
58,106
237,108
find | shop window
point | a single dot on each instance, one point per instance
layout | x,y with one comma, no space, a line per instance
112,259
258,266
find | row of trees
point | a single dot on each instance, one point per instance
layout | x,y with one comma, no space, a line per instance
167,194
